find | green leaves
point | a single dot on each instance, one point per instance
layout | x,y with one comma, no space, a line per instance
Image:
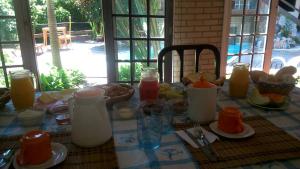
59,79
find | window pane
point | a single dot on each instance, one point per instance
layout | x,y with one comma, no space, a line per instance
12,54
124,71
235,25
123,50
251,6
157,26
249,23
153,64
122,27
138,69
6,8
246,59
157,7
141,65
231,60
2,79
120,7
264,6
140,49
247,45
262,24
8,30
139,7
156,47
258,61
234,45
260,44
237,6
139,27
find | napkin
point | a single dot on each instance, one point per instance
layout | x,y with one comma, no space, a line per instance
209,136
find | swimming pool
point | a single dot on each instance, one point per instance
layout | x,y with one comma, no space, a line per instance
235,48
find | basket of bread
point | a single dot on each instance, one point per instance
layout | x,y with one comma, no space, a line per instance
281,83
271,91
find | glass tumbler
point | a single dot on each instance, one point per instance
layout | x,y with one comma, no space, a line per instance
149,126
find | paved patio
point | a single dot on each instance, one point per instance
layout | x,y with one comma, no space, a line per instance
88,57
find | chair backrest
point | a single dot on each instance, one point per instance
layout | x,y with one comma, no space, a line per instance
180,50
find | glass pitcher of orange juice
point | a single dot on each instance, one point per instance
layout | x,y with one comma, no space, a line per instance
239,80
22,89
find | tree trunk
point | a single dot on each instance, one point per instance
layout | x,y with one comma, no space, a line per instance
53,35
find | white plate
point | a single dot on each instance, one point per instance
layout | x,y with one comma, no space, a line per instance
59,154
266,107
248,131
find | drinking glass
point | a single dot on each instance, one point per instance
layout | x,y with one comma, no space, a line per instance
149,125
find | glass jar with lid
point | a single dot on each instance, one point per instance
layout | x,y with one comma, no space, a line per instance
22,89
239,80
149,86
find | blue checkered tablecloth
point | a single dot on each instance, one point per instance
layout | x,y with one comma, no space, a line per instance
172,152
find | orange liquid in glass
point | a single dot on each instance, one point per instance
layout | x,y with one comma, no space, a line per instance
22,92
149,89
239,83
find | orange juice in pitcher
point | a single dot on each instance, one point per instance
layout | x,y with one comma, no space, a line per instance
22,89
239,80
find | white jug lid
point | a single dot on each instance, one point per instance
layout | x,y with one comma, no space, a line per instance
89,92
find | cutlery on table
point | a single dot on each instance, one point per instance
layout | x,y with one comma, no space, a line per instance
5,158
206,148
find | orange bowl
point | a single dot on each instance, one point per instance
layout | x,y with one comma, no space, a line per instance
35,148
230,120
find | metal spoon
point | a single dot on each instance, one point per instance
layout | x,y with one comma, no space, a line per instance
5,157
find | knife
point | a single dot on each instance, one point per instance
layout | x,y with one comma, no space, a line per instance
207,143
200,143
6,158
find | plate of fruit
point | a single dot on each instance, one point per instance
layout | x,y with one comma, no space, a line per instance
272,91
268,101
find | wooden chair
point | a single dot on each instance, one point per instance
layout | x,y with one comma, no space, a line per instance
180,50
64,39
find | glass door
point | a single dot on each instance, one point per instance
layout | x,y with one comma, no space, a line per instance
139,33
10,52
247,39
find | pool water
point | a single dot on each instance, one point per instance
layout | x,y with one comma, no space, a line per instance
235,49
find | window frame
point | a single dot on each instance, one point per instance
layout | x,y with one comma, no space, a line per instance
111,52
25,40
269,40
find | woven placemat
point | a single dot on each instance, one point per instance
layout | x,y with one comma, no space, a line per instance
269,143
103,156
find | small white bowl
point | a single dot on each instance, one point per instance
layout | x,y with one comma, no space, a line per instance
124,110
31,118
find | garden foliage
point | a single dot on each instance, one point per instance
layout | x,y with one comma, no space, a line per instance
59,79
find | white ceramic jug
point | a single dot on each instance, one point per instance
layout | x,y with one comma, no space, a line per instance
202,104
90,121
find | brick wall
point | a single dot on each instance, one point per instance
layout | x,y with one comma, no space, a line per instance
196,22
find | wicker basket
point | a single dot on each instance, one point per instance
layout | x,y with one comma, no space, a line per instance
4,96
278,88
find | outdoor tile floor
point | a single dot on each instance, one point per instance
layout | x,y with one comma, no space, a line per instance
88,57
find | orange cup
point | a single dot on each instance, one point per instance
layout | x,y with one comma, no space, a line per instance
230,120
35,148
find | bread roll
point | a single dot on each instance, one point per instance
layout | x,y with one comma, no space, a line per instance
289,70
256,75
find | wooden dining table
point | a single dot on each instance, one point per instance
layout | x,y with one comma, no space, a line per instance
173,152
45,30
